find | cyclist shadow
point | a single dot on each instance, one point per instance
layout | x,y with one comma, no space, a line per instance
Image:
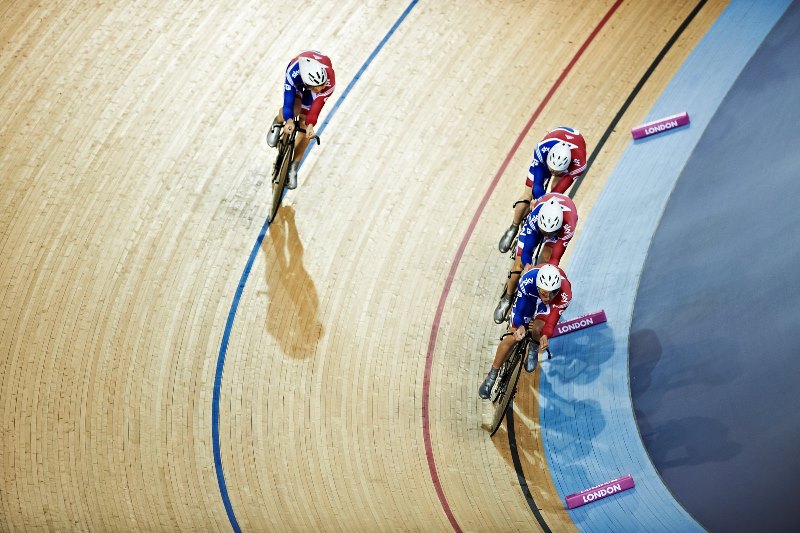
685,441
688,441
646,351
293,321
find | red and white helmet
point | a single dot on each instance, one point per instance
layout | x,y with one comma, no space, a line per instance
312,72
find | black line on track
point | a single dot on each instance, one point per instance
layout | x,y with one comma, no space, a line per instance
512,441
523,483
635,92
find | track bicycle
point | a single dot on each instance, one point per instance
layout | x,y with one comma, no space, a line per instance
507,378
280,170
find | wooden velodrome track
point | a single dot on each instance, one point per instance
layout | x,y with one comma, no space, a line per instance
134,182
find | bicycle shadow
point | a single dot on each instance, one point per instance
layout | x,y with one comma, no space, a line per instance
571,446
571,425
577,358
292,300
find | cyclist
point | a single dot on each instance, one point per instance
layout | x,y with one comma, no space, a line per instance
544,293
551,221
561,153
308,84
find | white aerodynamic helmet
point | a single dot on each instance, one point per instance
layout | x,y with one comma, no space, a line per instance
551,216
559,157
312,72
548,278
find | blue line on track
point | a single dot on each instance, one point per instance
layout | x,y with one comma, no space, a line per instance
243,280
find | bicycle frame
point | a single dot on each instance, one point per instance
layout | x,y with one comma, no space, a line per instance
507,380
286,151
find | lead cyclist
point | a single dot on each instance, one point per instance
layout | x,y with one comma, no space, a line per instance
309,82
544,292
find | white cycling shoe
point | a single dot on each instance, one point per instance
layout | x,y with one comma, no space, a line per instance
508,238
274,133
291,181
501,311
485,390
533,357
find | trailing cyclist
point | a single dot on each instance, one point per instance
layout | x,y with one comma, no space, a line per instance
561,153
552,222
309,82
543,294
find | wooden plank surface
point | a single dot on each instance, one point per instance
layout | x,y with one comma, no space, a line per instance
134,179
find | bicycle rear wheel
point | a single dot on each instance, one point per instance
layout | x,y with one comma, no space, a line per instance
507,385
279,174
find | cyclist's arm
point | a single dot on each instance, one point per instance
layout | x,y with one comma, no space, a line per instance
288,101
526,257
523,308
528,241
539,176
317,104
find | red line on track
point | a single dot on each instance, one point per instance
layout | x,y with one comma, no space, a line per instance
426,383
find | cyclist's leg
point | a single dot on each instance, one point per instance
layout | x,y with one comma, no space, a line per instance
301,107
301,141
513,276
280,119
535,329
521,208
504,304
275,129
300,144
507,343
523,205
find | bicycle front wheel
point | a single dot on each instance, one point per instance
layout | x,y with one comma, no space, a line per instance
507,386
279,177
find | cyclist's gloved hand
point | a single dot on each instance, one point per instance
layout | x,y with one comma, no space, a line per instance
310,131
520,333
290,126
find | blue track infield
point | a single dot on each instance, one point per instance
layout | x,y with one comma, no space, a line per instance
714,341
588,426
